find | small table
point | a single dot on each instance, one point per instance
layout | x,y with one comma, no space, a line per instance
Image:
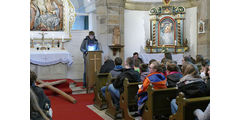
50,64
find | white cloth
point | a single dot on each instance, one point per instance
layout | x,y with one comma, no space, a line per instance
147,57
46,57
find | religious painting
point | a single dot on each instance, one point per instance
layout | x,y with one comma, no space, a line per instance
201,27
167,32
46,15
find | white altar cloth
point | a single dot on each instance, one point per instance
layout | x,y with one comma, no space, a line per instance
50,57
147,57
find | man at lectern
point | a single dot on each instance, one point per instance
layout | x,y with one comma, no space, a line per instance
90,43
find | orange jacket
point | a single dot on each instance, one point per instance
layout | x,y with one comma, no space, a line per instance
157,79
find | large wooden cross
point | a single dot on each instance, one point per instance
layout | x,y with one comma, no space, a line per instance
95,62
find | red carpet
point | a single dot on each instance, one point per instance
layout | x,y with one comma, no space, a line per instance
64,110
64,86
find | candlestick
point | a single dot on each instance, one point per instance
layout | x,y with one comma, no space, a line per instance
32,44
62,46
52,43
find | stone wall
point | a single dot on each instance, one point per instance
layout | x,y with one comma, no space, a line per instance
109,13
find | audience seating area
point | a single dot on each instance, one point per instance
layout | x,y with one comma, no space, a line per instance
157,106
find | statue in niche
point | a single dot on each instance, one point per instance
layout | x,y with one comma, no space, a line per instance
116,36
46,15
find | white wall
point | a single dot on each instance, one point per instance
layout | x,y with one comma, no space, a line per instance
73,46
136,31
190,30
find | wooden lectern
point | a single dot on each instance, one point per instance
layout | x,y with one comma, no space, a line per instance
93,65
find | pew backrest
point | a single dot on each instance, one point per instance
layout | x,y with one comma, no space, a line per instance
186,106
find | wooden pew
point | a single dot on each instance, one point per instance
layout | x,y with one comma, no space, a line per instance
111,109
128,100
158,102
101,80
187,106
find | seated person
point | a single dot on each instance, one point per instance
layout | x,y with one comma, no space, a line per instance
203,115
116,88
107,66
136,65
192,85
143,71
150,62
173,76
136,57
156,78
36,113
187,59
203,68
42,99
115,72
167,56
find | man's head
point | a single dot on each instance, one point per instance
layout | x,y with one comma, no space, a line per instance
33,77
135,55
155,67
118,61
171,66
150,62
91,35
129,63
143,67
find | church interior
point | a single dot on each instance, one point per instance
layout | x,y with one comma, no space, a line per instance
120,59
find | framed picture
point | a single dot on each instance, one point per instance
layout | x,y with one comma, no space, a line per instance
201,26
51,16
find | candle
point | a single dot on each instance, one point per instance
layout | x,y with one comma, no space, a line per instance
150,42
175,42
62,38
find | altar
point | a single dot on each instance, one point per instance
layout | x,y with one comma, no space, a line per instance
50,64
159,56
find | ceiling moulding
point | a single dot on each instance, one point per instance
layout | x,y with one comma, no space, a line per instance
145,6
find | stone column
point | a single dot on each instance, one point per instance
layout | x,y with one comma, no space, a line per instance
109,14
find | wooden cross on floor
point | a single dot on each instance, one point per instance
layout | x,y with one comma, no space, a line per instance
95,62
50,86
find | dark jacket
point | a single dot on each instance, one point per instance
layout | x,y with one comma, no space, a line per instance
173,78
133,76
192,87
84,45
107,66
43,101
116,71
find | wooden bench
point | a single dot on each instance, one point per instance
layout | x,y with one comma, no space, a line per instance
128,100
186,107
111,109
158,103
101,80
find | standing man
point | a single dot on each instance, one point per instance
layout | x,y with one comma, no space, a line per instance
90,43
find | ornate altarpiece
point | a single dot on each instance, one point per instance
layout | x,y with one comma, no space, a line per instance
167,29
68,13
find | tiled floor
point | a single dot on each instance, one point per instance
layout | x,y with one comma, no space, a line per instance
100,113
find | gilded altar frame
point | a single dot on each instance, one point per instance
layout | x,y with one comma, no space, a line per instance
166,30
68,20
